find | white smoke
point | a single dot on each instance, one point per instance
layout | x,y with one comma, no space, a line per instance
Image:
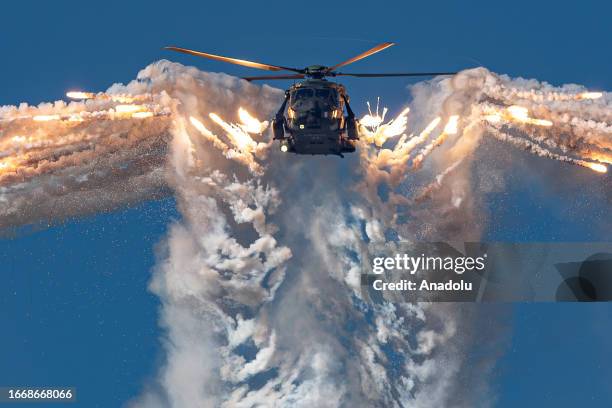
60,160
228,285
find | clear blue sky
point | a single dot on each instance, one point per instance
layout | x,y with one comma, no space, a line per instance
73,304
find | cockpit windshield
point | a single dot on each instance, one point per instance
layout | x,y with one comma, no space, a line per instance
322,93
302,94
305,93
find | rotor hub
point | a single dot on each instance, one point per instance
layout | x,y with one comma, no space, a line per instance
316,71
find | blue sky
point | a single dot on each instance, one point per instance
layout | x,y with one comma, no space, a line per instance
74,304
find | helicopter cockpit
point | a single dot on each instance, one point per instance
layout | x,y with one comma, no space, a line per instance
322,97
314,108
320,93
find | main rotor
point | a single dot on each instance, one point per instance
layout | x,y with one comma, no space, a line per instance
312,71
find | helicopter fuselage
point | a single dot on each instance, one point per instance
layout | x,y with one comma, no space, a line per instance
312,119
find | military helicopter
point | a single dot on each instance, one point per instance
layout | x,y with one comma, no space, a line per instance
311,119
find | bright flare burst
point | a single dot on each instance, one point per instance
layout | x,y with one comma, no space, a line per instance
239,138
198,125
451,125
249,123
373,120
210,136
521,114
46,118
243,148
129,108
238,134
8,165
598,167
449,129
80,95
120,98
590,95
374,130
515,114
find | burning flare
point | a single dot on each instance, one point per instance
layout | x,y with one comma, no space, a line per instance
242,148
521,114
590,95
129,108
449,129
598,167
80,95
251,124
239,138
46,118
373,120
374,130
120,98
451,125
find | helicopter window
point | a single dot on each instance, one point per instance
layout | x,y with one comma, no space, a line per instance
302,94
322,93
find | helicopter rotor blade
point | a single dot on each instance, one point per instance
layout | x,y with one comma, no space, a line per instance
363,55
245,63
407,74
255,78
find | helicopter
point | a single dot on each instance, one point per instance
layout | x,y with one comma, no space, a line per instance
312,118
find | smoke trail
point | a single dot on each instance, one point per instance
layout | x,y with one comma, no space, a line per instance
260,279
60,160
257,323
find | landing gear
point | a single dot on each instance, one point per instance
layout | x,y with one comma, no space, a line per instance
351,128
278,123
278,128
351,122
